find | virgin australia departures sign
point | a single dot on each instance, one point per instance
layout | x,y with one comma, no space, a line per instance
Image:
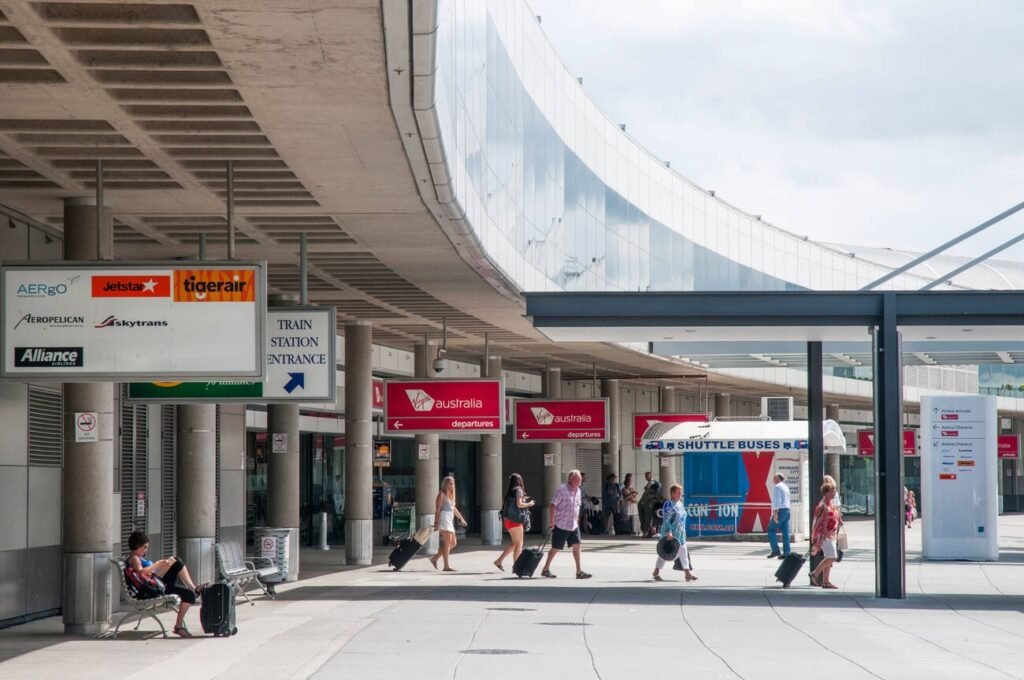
110,321
301,365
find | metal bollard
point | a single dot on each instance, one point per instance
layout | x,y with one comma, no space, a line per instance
323,532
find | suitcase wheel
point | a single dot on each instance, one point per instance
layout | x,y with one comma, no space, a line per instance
234,631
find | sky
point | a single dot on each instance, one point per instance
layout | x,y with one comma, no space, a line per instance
879,123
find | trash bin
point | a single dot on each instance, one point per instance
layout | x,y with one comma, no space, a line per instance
274,544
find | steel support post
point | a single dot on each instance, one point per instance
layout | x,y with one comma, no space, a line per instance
552,452
667,465
890,581
490,479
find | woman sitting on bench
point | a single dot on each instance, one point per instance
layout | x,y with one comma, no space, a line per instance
170,570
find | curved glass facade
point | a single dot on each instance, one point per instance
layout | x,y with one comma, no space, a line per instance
562,199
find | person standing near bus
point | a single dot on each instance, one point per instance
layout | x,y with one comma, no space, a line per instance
780,516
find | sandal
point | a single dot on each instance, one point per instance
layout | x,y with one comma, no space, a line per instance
498,565
830,586
691,577
433,561
657,577
448,569
182,631
816,581
547,574
582,575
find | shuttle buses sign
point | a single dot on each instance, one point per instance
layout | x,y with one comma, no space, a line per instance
427,406
561,420
113,321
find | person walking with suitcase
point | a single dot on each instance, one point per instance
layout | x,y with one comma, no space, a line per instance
827,520
780,517
673,531
564,513
517,515
446,512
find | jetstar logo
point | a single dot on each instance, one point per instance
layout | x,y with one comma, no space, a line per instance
146,286
114,322
48,357
51,321
423,402
214,285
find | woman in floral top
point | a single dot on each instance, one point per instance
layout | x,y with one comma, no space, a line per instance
827,520
673,525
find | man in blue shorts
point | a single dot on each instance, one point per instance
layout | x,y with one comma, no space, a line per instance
564,513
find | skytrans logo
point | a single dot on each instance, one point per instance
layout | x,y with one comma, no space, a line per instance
48,357
423,402
114,322
546,417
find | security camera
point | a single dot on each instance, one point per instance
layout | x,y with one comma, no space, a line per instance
438,365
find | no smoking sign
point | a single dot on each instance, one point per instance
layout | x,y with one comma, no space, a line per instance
86,427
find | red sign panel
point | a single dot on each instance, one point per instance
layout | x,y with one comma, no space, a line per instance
444,406
1008,446
866,442
378,394
131,286
642,421
561,420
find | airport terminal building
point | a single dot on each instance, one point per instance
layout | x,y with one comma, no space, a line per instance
438,160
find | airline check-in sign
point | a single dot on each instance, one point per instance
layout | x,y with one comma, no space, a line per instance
642,421
438,406
561,420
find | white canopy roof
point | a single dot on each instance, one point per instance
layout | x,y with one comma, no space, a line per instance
738,435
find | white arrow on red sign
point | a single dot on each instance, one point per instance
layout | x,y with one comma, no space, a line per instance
398,424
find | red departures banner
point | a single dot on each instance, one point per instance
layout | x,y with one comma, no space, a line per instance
427,406
561,420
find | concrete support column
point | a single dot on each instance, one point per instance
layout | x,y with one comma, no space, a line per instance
197,489
552,452
283,479
490,478
610,449
723,405
832,459
88,477
358,442
668,465
428,454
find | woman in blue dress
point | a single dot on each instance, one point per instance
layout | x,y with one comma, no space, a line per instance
673,525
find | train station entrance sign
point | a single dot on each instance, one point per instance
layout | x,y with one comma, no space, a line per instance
106,321
301,365
444,406
561,420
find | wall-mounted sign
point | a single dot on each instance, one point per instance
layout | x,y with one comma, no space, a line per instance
301,365
111,321
1008,445
377,401
642,421
561,420
279,442
86,427
426,406
866,443
382,453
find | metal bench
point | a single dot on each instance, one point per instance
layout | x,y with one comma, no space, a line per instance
240,572
142,608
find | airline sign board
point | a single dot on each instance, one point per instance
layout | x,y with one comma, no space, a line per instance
105,321
1008,446
866,442
561,420
642,421
436,406
377,401
301,365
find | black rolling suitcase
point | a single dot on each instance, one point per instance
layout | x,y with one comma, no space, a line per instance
529,560
790,567
217,611
408,547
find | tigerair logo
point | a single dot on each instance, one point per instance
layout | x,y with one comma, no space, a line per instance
423,402
546,417
215,285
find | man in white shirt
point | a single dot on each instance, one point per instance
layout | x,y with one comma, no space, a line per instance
780,517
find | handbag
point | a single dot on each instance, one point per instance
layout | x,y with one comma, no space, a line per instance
145,586
842,543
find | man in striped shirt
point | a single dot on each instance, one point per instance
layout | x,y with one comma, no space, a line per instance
564,514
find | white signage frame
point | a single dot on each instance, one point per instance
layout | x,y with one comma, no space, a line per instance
86,314
959,478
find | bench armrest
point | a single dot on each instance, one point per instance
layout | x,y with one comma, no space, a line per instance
255,562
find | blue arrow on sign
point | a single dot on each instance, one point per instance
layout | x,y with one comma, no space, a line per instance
296,380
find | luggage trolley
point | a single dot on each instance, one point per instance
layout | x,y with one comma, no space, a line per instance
403,523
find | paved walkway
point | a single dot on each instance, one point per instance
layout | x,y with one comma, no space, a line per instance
962,620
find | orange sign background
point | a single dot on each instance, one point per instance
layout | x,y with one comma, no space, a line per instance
214,285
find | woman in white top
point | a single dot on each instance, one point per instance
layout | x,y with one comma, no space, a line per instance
445,513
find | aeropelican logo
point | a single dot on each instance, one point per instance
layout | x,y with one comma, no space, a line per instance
51,321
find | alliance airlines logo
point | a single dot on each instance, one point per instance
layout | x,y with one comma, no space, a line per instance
424,403
546,417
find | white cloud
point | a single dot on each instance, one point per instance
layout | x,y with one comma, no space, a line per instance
877,123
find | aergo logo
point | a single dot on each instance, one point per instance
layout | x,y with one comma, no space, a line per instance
38,290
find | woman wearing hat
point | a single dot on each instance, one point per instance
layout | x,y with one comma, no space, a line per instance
672,544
